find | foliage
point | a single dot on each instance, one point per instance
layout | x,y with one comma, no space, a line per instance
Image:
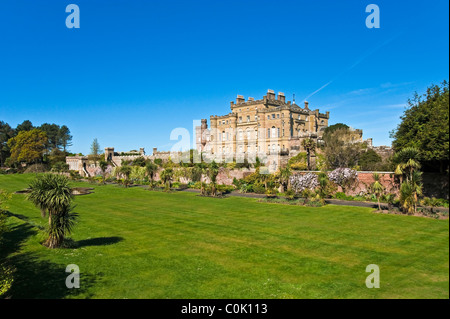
369,159
60,167
36,168
289,194
340,148
6,132
310,146
53,196
95,151
307,181
425,126
27,146
344,177
377,188
299,161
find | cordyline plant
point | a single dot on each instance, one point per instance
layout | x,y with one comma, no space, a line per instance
343,177
301,182
53,196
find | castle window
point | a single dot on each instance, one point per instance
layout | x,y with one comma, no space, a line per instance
282,115
248,118
268,117
273,116
268,133
256,117
278,116
223,135
240,119
278,129
274,132
240,134
283,132
223,122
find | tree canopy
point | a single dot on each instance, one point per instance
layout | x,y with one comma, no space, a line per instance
28,146
425,126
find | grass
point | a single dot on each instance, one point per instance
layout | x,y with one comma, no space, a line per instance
134,243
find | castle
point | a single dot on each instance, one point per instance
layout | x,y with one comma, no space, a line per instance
271,129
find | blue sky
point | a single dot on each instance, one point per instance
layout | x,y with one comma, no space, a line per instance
135,70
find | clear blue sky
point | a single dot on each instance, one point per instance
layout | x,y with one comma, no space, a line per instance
135,70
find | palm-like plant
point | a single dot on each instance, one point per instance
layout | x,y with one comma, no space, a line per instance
213,171
310,146
408,168
125,170
377,188
285,173
166,177
151,170
103,166
52,194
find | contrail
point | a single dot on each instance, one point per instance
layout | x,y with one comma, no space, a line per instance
358,61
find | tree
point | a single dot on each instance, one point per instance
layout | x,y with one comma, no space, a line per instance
425,126
95,150
52,131
151,169
408,165
340,150
166,177
24,126
369,159
213,171
6,132
377,188
65,139
285,174
103,167
330,129
125,170
28,146
52,194
310,146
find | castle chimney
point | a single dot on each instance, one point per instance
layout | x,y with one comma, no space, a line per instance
281,97
251,99
306,105
142,151
155,150
270,95
240,99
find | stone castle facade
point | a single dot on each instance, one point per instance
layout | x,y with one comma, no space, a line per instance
270,128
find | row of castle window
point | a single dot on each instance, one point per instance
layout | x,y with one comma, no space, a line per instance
274,116
271,132
274,148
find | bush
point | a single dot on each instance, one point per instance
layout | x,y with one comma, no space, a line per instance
37,168
306,181
259,189
75,175
289,194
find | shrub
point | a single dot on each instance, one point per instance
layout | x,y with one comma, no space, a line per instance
37,168
259,189
306,181
344,177
289,194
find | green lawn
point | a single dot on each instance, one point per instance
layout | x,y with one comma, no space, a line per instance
134,243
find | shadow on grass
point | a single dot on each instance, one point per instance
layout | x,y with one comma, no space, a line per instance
35,277
100,241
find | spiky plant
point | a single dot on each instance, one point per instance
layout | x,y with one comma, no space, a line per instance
52,194
377,188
